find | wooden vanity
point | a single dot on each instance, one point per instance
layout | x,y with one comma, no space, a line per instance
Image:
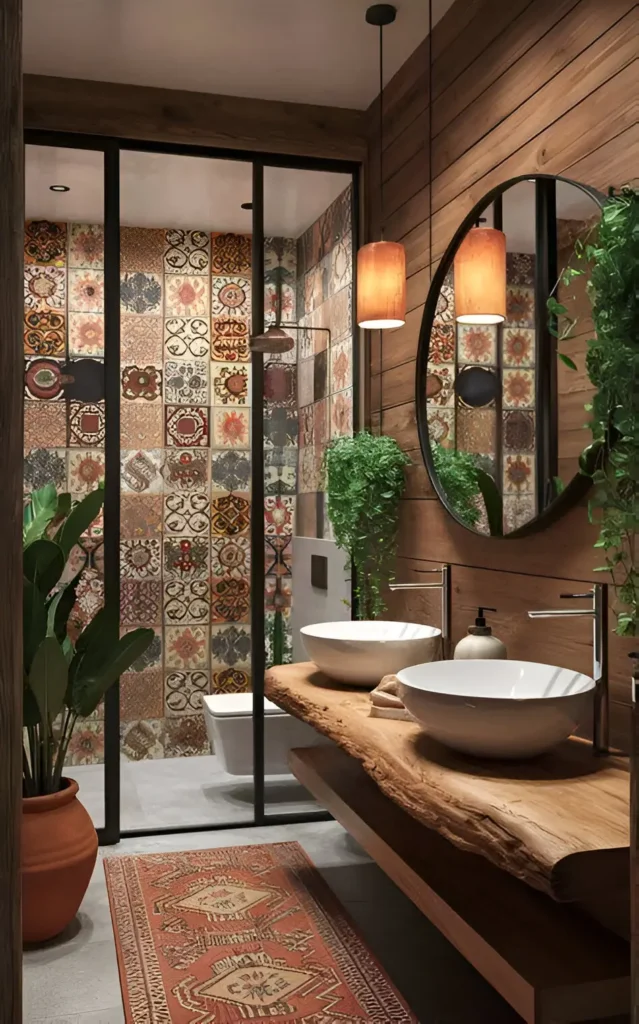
504,858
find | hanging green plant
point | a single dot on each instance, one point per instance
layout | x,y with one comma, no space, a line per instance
365,484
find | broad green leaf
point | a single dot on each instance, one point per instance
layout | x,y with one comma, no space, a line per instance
38,513
567,361
34,621
79,520
30,710
89,689
60,606
48,678
43,564
493,502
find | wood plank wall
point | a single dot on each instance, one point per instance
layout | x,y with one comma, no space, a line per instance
529,85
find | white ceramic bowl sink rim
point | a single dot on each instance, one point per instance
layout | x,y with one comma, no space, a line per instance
486,680
370,631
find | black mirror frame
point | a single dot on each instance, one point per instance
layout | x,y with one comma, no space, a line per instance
581,482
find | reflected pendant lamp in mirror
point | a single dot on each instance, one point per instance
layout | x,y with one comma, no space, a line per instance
381,266
480,277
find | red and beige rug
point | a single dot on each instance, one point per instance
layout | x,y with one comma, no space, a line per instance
246,933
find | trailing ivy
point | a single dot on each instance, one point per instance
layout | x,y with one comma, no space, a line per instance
365,484
457,472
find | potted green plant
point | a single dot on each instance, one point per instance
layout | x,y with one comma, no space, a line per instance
366,481
63,682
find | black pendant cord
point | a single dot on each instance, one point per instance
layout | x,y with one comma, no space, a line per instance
381,132
430,135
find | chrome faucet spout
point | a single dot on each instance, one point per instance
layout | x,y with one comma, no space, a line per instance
444,586
562,613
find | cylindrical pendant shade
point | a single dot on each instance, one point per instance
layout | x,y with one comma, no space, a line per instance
480,277
381,286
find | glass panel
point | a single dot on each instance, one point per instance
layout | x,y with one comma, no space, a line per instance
64,383
308,399
185,299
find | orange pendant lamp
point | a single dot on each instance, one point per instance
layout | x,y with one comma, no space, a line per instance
480,277
381,266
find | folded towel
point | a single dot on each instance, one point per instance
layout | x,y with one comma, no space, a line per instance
386,701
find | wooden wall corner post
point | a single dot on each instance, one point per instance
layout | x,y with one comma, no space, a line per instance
11,432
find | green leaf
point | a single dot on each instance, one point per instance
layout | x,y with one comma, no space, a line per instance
43,564
555,307
79,520
48,679
90,687
38,513
34,621
570,363
60,607
493,502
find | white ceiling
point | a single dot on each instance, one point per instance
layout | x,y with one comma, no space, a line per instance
305,51
162,190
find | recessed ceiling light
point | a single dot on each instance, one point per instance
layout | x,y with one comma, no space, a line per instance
246,206
60,188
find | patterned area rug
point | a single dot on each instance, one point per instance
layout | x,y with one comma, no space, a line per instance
246,933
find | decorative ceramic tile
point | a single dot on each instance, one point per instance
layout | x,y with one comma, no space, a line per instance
279,302
86,246
305,341
309,475
152,657
280,428
231,471
186,558
44,333
231,557
445,311
279,515
230,515
230,680
185,647
518,510
476,344
186,470
441,425
476,430
142,383
186,382
86,424
141,293
187,252
141,697
278,555
183,692
280,384
141,250
230,599
280,479
341,357
280,258
186,737
142,740
231,645
140,559
45,241
306,424
141,471
230,339
186,601
90,594
86,334
440,384
341,264
186,337
86,291
230,384
141,425
518,346
520,306
76,561
519,474
278,593
230,254
45,287
43,379
45,420
140,516
186,513
187,426
231,296
43,466
320,375
87,744
141,340
519,431
305,384
85,470
321,432
231,428
518,389
520,268
187,295
140,601
339,317
341,406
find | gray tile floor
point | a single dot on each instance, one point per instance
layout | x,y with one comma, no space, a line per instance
74,980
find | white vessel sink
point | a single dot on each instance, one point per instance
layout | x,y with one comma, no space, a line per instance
511,709
362,652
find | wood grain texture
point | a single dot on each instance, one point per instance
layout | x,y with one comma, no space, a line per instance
194,118
547,86
547,960
11,418
548,822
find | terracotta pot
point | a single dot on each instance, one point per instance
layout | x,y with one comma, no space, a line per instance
59,849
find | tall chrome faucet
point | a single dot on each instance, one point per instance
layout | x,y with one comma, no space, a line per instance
444,586
598,612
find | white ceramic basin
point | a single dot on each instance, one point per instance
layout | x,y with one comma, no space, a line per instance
511,709
362,652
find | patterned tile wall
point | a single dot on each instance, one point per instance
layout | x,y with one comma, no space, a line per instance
325,370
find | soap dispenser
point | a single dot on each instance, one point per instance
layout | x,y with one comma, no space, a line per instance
480,642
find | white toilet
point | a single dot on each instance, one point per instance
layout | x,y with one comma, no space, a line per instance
229,724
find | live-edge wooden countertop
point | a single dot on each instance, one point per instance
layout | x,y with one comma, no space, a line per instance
559,822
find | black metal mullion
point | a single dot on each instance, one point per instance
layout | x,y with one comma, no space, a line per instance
545,341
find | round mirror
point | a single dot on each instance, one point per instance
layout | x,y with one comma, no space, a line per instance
501,379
